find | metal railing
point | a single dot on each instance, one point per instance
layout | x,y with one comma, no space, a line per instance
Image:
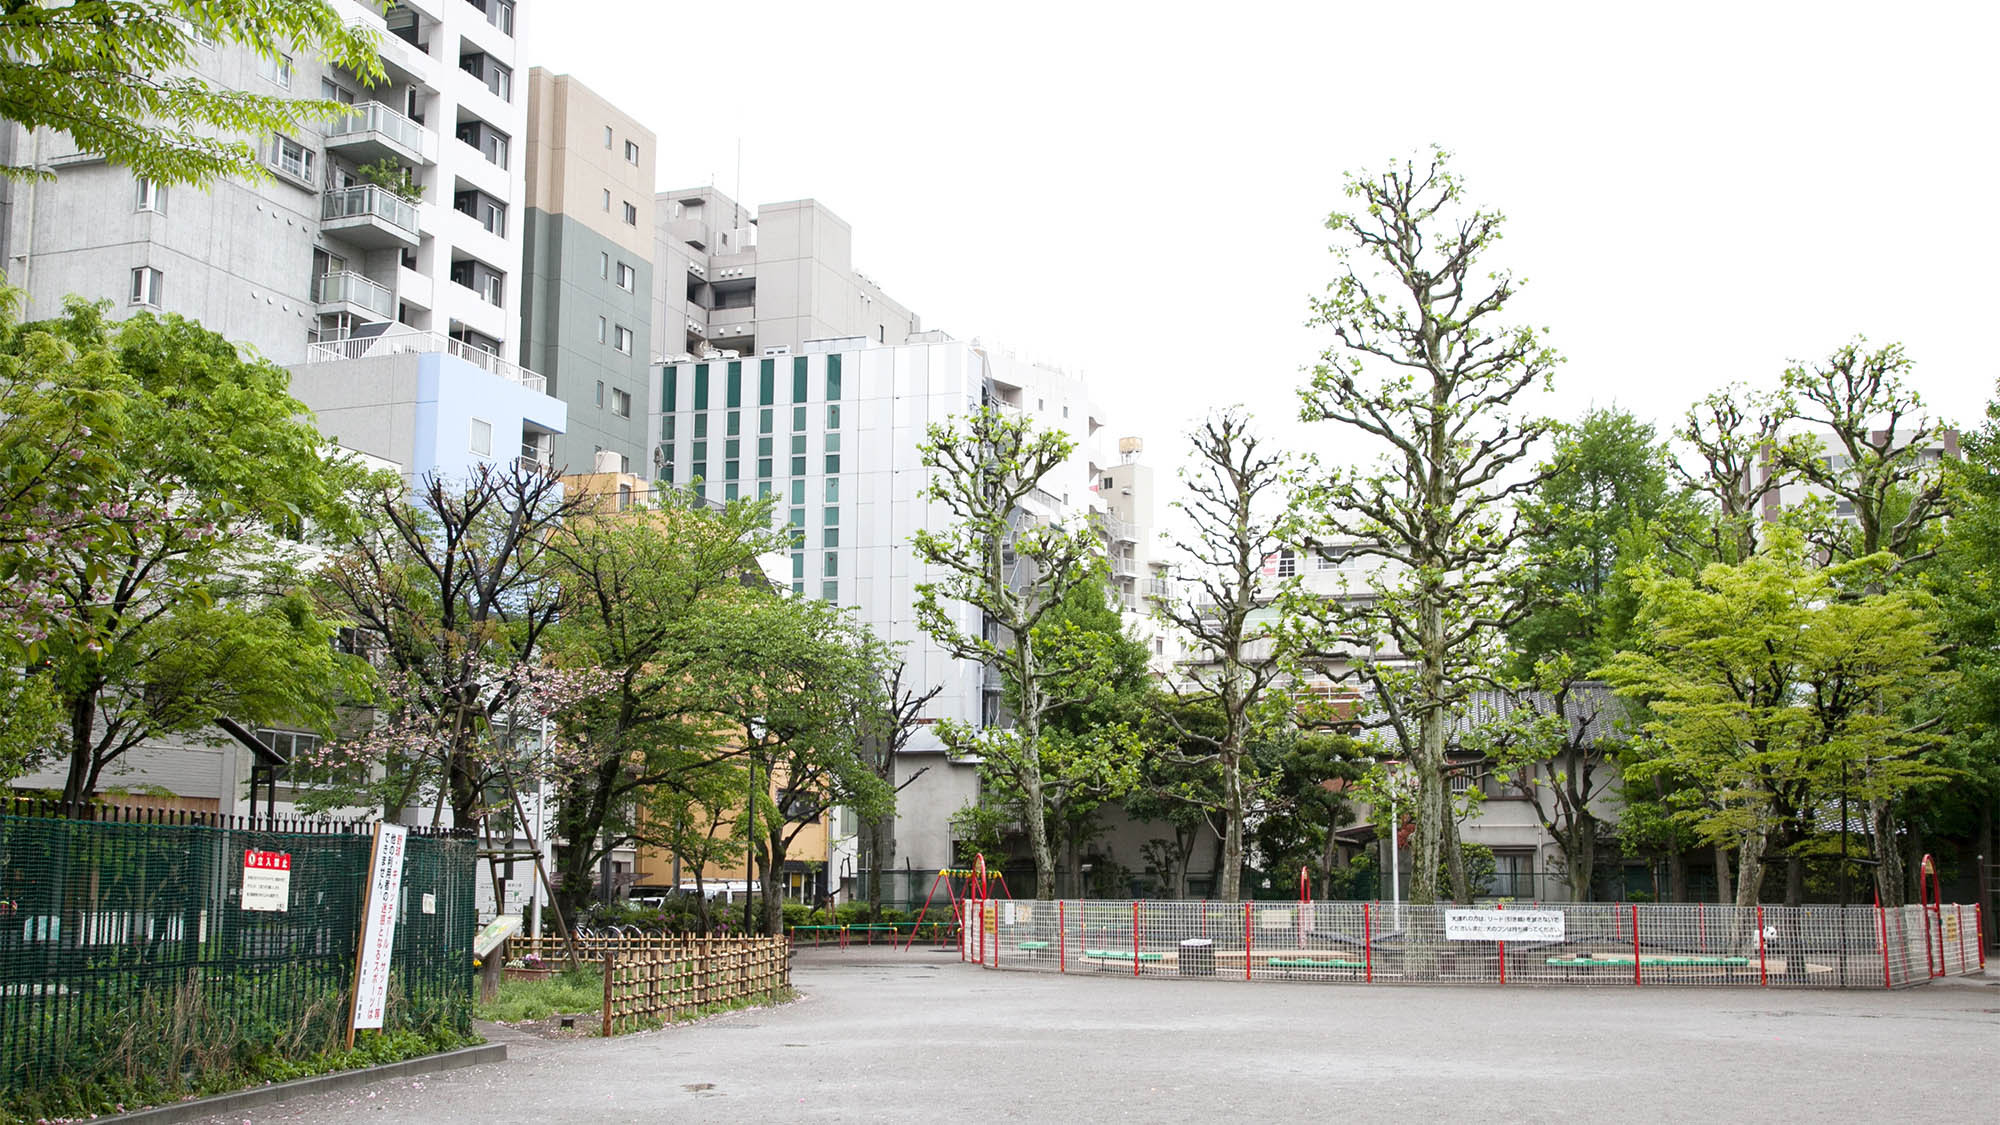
415,341
1118,530
354,288
363,200
1571,944
124,937
374,117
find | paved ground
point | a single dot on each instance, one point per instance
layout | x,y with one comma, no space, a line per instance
882,1036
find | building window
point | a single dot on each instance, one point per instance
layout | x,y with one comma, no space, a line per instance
489,283
735,421
1288,563
482,437
607,144
833,423
632,153
497,76
833,462
1327,560
152,196
603,264
631,215
488,211
766,384
799,495
799,423
832,564
1106,482
628,278
621,404
833,490
147,286
734,394
832,537
833,378
832,518
600,395
277,69
799,383
603,332
624,343
667,391
291,159
607,196
764,423
763,466
491,142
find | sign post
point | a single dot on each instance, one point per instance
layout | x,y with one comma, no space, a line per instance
378,929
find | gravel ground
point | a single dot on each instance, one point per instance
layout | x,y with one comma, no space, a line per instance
885,1036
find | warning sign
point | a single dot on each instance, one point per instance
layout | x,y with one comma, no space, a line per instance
267,880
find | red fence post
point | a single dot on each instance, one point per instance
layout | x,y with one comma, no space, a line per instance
1637,979
1882,925
1367,943
1246,941
1135,938
1763,977
1498,907
1979,920
1062,940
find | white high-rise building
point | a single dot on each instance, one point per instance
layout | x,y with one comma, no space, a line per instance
833,434
403,217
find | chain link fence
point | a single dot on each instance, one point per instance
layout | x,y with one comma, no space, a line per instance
1593,944
127,953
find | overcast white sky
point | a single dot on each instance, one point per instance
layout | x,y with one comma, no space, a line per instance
1697,193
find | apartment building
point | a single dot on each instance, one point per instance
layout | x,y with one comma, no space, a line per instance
761,282
401,216
832,432
1139,572
587,295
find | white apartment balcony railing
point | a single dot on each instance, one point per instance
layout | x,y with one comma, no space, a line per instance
371,216
345,287
407,341
1159,588
375,130
1119,531
1124,567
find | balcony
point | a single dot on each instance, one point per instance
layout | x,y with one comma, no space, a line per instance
374,131
370,216
408,341
1159,589
1124,567
1119,531
345,291
730,323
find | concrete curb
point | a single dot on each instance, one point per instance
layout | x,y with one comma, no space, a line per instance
239,1100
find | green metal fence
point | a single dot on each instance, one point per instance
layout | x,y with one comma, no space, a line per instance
126,953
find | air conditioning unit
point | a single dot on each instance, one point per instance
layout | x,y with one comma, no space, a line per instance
731,353
778,349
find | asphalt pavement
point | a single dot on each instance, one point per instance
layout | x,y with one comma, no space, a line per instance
879,1035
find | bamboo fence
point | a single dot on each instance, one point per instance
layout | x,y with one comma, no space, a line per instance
670,976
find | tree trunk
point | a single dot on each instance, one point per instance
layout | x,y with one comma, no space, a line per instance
1454,862
1426,856
81,783
882,855
1795,876
1750,870
1914,872
1229,887
1580,853
1677,874
1724,895
767,883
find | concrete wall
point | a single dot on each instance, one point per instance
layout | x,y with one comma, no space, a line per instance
417,409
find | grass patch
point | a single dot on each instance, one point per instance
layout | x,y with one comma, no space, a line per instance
568,992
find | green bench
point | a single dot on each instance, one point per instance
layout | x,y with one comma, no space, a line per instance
1032,946
1655,961
1310,963
1120,955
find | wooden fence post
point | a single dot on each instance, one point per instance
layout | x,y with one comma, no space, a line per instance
610,968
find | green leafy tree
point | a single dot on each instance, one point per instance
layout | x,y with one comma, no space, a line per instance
644,587
117,77
1239,521
1772,697
1015,568
1966,580
1423,370
1305,786
1589,522
158,587
798,683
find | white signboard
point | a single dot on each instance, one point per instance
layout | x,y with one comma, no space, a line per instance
378,929
1503,925
267,880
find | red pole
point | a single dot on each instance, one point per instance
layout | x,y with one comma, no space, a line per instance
1497,907
1135,938
1367,943
1062,940
1979,920
1763,977
1246,941
1636,978
1882,925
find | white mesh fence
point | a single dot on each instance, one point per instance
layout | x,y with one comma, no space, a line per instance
1571,944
